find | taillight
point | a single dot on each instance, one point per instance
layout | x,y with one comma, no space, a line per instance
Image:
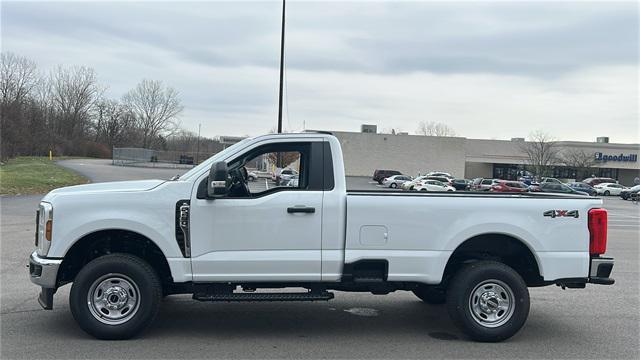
597,222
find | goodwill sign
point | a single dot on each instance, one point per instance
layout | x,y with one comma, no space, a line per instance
627,158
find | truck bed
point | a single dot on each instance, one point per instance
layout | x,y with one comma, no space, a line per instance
417,232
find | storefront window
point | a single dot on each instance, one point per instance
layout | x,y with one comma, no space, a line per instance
507,171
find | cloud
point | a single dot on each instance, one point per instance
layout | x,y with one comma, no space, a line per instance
487,69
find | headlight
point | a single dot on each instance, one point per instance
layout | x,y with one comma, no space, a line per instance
44,228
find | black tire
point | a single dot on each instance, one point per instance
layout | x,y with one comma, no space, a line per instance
494,275
606,193
393,185
116,266
431,294
379,182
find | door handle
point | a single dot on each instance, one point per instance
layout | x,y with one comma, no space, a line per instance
301,209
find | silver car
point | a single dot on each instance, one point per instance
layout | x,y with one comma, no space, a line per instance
395,181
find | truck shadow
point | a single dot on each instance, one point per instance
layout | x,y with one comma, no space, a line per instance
338,317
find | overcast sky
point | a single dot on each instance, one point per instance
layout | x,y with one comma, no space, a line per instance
488,70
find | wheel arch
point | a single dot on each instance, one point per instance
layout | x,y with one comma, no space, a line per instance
112,240
505,248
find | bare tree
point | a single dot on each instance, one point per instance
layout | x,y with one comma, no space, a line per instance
432,128
17,77
541,153
114,124
155,108
580,160
74,92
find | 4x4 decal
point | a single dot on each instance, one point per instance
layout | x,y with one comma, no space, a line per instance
562,213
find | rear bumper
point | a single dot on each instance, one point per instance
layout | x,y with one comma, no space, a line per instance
44,272
600,271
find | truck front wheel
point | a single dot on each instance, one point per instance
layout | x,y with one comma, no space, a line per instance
488,301
115,296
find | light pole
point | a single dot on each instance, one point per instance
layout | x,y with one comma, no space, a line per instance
281,69
198,145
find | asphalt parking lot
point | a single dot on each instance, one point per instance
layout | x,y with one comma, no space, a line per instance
596,322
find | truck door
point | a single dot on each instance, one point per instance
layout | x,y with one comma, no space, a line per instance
267,231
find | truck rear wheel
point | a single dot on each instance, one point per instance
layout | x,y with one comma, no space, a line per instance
115,296
488,301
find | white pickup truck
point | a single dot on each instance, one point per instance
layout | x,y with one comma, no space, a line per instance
212,234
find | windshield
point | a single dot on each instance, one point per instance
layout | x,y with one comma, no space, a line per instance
221,155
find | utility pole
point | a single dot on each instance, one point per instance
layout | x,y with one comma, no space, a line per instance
281,69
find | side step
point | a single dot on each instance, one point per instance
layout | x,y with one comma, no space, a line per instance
306,296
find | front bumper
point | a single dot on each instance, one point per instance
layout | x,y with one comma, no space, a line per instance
600,269
44,272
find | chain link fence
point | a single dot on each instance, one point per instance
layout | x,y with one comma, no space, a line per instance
156,158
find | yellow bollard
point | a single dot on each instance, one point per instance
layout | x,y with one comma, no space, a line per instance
50,156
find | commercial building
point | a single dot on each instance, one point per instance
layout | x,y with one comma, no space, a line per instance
470,158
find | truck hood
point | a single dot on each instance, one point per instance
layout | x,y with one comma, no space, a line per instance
115,186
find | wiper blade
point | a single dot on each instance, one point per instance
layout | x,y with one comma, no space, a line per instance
175,177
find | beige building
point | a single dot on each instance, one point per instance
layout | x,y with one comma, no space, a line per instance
470,158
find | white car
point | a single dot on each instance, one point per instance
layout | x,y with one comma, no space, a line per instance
395,181
124,246
285,175
607,189
433,185
293,182
440,174
410,185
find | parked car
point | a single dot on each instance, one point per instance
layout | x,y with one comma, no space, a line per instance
293,182
433,185
599,180
285,175
123,246
395,181
527,179
550,180
481,184
607,189
440,174
380,175
627,193
580,186
461,184
509,186
443,179
409,185
552,187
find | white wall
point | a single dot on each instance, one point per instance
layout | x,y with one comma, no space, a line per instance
469,158
409,154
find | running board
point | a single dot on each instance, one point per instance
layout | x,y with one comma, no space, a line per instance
306,296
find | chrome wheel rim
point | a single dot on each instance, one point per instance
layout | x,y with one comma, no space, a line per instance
113,299
492,303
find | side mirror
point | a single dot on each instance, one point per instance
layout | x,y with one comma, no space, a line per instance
218,183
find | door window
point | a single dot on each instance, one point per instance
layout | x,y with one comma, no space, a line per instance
281,170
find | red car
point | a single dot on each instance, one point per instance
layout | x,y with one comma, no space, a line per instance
509,186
